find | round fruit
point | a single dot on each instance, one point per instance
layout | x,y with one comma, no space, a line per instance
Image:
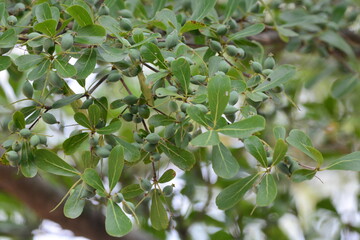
148,147
19,7
234,97
137,119
168,190
49,46
144,111
267,72
126,24
11,20
145,185
16,146
184,106
130,99
108,147
232,24
256,66
172,39
169,60
34,140
132,71
67,41
134,109
180,116
173,107
13,157
102,152
223,66
230,117
28,89
25,132
269,62
231,50
155,156
215,46
8,143
128,117
118,197
241,53
169,131
134,55
86,104
43,139
153,138
49,118
221,30
114,77
93,141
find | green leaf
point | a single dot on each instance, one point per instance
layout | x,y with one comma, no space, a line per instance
219,88
50,162
27,164
230,8
255,147
8,39
75,203
94,114
158,215
181,70
160,120
348,162
279,132
92,178
64,69
151,53
72,144
247,32
5,62
19,120
244,128
233,193
85,65
158,5
205,139
117,224
111,54
47,27
202,8
301,175
66,100
82,119
116,165
198,116
190,26
154,77
26,62
181,158
91,34
43,12
167,176
223,162
131,191
168,20
113,126
40,70
131,153
301,141
336,40
341,87
80,14
267,191
279,151
112,27
280,75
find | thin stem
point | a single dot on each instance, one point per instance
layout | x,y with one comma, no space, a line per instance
125,86
150,67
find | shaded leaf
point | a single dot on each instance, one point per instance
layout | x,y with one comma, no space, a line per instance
255,147
8,39
116,165
244,128
202,8
113,126
151,53
279,151
131,191
267,191
181,70
247,32
75,203
301,175
85,65
72,144
64,69
5,62
66,100
223,162
181,158
219,88
80,14
167,176
158,215
160,120
92,178
117,224
47,27
280,75
208,138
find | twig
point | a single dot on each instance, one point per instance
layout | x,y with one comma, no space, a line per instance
150,67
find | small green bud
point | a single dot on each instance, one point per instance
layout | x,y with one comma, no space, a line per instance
43,139
202,108
145,185
103,10
19,7
26,133
221,30
128,117
269,62
180,116
231,50
215,46
256,66
230,110
169,131
148,147
34,140
155,156
49,118
137,119
16,146
223,66
267,72
169,60
126,24
168,190
184,106
11,20
28,89
134,55
108,147
138,138
153,138
232,24
134,109
102,152
93,141
13,157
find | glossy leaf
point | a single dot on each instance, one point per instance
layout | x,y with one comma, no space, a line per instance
94,114
198,116
280,151
183,159
27,164
219,88
279,132
92,178
267,191
50,162
80,14
167,176
72,144
205,139
181,70
341,87
40,70
255,147
64,69
116,165
43,12
117,224
247,32
111,54
158,215
81,119
113,126
160,120
191,25
244,128
8,39
131,153
91,34
131,191
223,162
47,27
85,65
19,120
232,194
151,53
26,62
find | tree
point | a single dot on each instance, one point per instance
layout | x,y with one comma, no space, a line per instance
155,89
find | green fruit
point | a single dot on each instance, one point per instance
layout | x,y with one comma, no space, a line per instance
118,197
256,66
102,152
173,107
155,156
129,207
137,138
180,116
34,140
114,77
28,89
130,100
137,119
125,13
169,131
128,117
202,108
153,138
16,146
19,7
12,156
108,147
189,127
215,46
145,185
67,41
11,20
126,24
267,72
49,118
221,30
172,39
232,24
8,143
168,190
198,79
230,110
43,139
144,111
148,147
26,133
184,106
231,50
134,109
234,97
269,63
241,53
